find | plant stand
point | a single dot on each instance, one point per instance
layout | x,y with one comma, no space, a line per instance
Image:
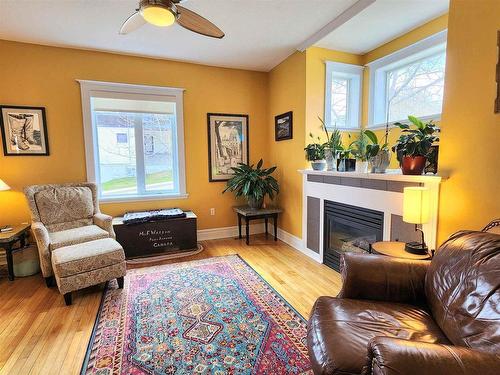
249,214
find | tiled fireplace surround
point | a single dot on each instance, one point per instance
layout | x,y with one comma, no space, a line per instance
380,192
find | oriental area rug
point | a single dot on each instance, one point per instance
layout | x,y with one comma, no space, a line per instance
211,316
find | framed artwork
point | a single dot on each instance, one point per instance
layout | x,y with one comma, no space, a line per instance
227,144
283,126
497,101
24,131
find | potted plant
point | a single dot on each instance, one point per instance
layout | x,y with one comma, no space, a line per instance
414,144
363,150
381,154
332,146
345,163
253,183
315,153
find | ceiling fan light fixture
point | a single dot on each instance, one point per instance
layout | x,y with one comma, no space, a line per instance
157,13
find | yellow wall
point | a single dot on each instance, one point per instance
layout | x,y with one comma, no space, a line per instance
470,135
287,92
35,75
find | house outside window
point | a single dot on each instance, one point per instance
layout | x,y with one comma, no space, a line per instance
134,140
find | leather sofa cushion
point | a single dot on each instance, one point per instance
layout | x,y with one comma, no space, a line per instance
339,331
463,290
75,236
64,205
86,257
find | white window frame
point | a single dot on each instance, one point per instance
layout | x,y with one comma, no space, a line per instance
377,111
175,95
354,74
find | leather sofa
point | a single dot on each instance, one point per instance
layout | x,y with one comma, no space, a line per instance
397,316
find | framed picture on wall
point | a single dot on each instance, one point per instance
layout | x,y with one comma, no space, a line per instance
283,126
227,144
24,131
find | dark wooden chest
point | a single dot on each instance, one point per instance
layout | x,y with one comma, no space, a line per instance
157,237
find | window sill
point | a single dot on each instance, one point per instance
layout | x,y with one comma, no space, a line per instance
436,117
138,198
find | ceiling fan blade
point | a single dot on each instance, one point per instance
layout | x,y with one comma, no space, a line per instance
132,23
194,22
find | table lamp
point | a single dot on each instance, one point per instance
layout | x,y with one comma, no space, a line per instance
4,187
416,210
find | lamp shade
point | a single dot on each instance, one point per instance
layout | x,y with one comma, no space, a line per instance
4,186
416,205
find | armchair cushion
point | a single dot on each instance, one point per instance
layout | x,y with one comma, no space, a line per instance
76,236
382,278
390,356
339,330
65,207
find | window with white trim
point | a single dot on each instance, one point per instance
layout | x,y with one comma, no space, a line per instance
408,82
343,95
134,140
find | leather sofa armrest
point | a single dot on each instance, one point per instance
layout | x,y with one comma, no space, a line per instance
42,238
105,222
382,278
391,356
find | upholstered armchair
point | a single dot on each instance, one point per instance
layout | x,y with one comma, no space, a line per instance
64,215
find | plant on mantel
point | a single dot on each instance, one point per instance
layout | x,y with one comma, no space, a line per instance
414,144
253,183
332,146
364,148
315,153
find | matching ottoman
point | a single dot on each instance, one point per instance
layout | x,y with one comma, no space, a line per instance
86,264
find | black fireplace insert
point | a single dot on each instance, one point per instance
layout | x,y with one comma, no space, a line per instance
349,229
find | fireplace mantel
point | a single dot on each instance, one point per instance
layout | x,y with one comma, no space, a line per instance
390,175
380,192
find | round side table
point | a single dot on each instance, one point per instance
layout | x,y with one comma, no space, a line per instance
396,250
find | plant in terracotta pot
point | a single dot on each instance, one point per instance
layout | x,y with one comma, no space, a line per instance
253,183
414,144
363,148
332,146
315,153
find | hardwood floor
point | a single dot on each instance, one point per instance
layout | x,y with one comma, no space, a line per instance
40,335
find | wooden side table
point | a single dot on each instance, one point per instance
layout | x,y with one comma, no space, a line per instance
254,214
9,239
396,250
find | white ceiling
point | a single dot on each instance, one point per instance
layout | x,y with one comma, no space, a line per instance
381,22
259,33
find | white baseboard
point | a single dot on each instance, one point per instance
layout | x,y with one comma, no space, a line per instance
297,243
227,232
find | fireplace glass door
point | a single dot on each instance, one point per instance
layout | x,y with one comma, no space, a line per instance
349,229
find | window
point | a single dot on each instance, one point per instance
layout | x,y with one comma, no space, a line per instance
134,140
408,82
343,95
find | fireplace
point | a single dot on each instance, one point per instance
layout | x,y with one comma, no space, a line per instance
349,229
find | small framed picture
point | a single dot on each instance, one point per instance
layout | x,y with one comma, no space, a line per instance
24,131
227,144
283,126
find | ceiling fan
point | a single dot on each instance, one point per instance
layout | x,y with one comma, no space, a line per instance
165,13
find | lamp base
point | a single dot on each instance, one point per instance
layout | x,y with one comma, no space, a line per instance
416,248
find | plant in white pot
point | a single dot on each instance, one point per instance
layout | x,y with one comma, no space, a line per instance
332,146
253,183
315,153
381,154
363,149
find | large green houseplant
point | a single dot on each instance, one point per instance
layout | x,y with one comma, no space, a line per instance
253,183
414,144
